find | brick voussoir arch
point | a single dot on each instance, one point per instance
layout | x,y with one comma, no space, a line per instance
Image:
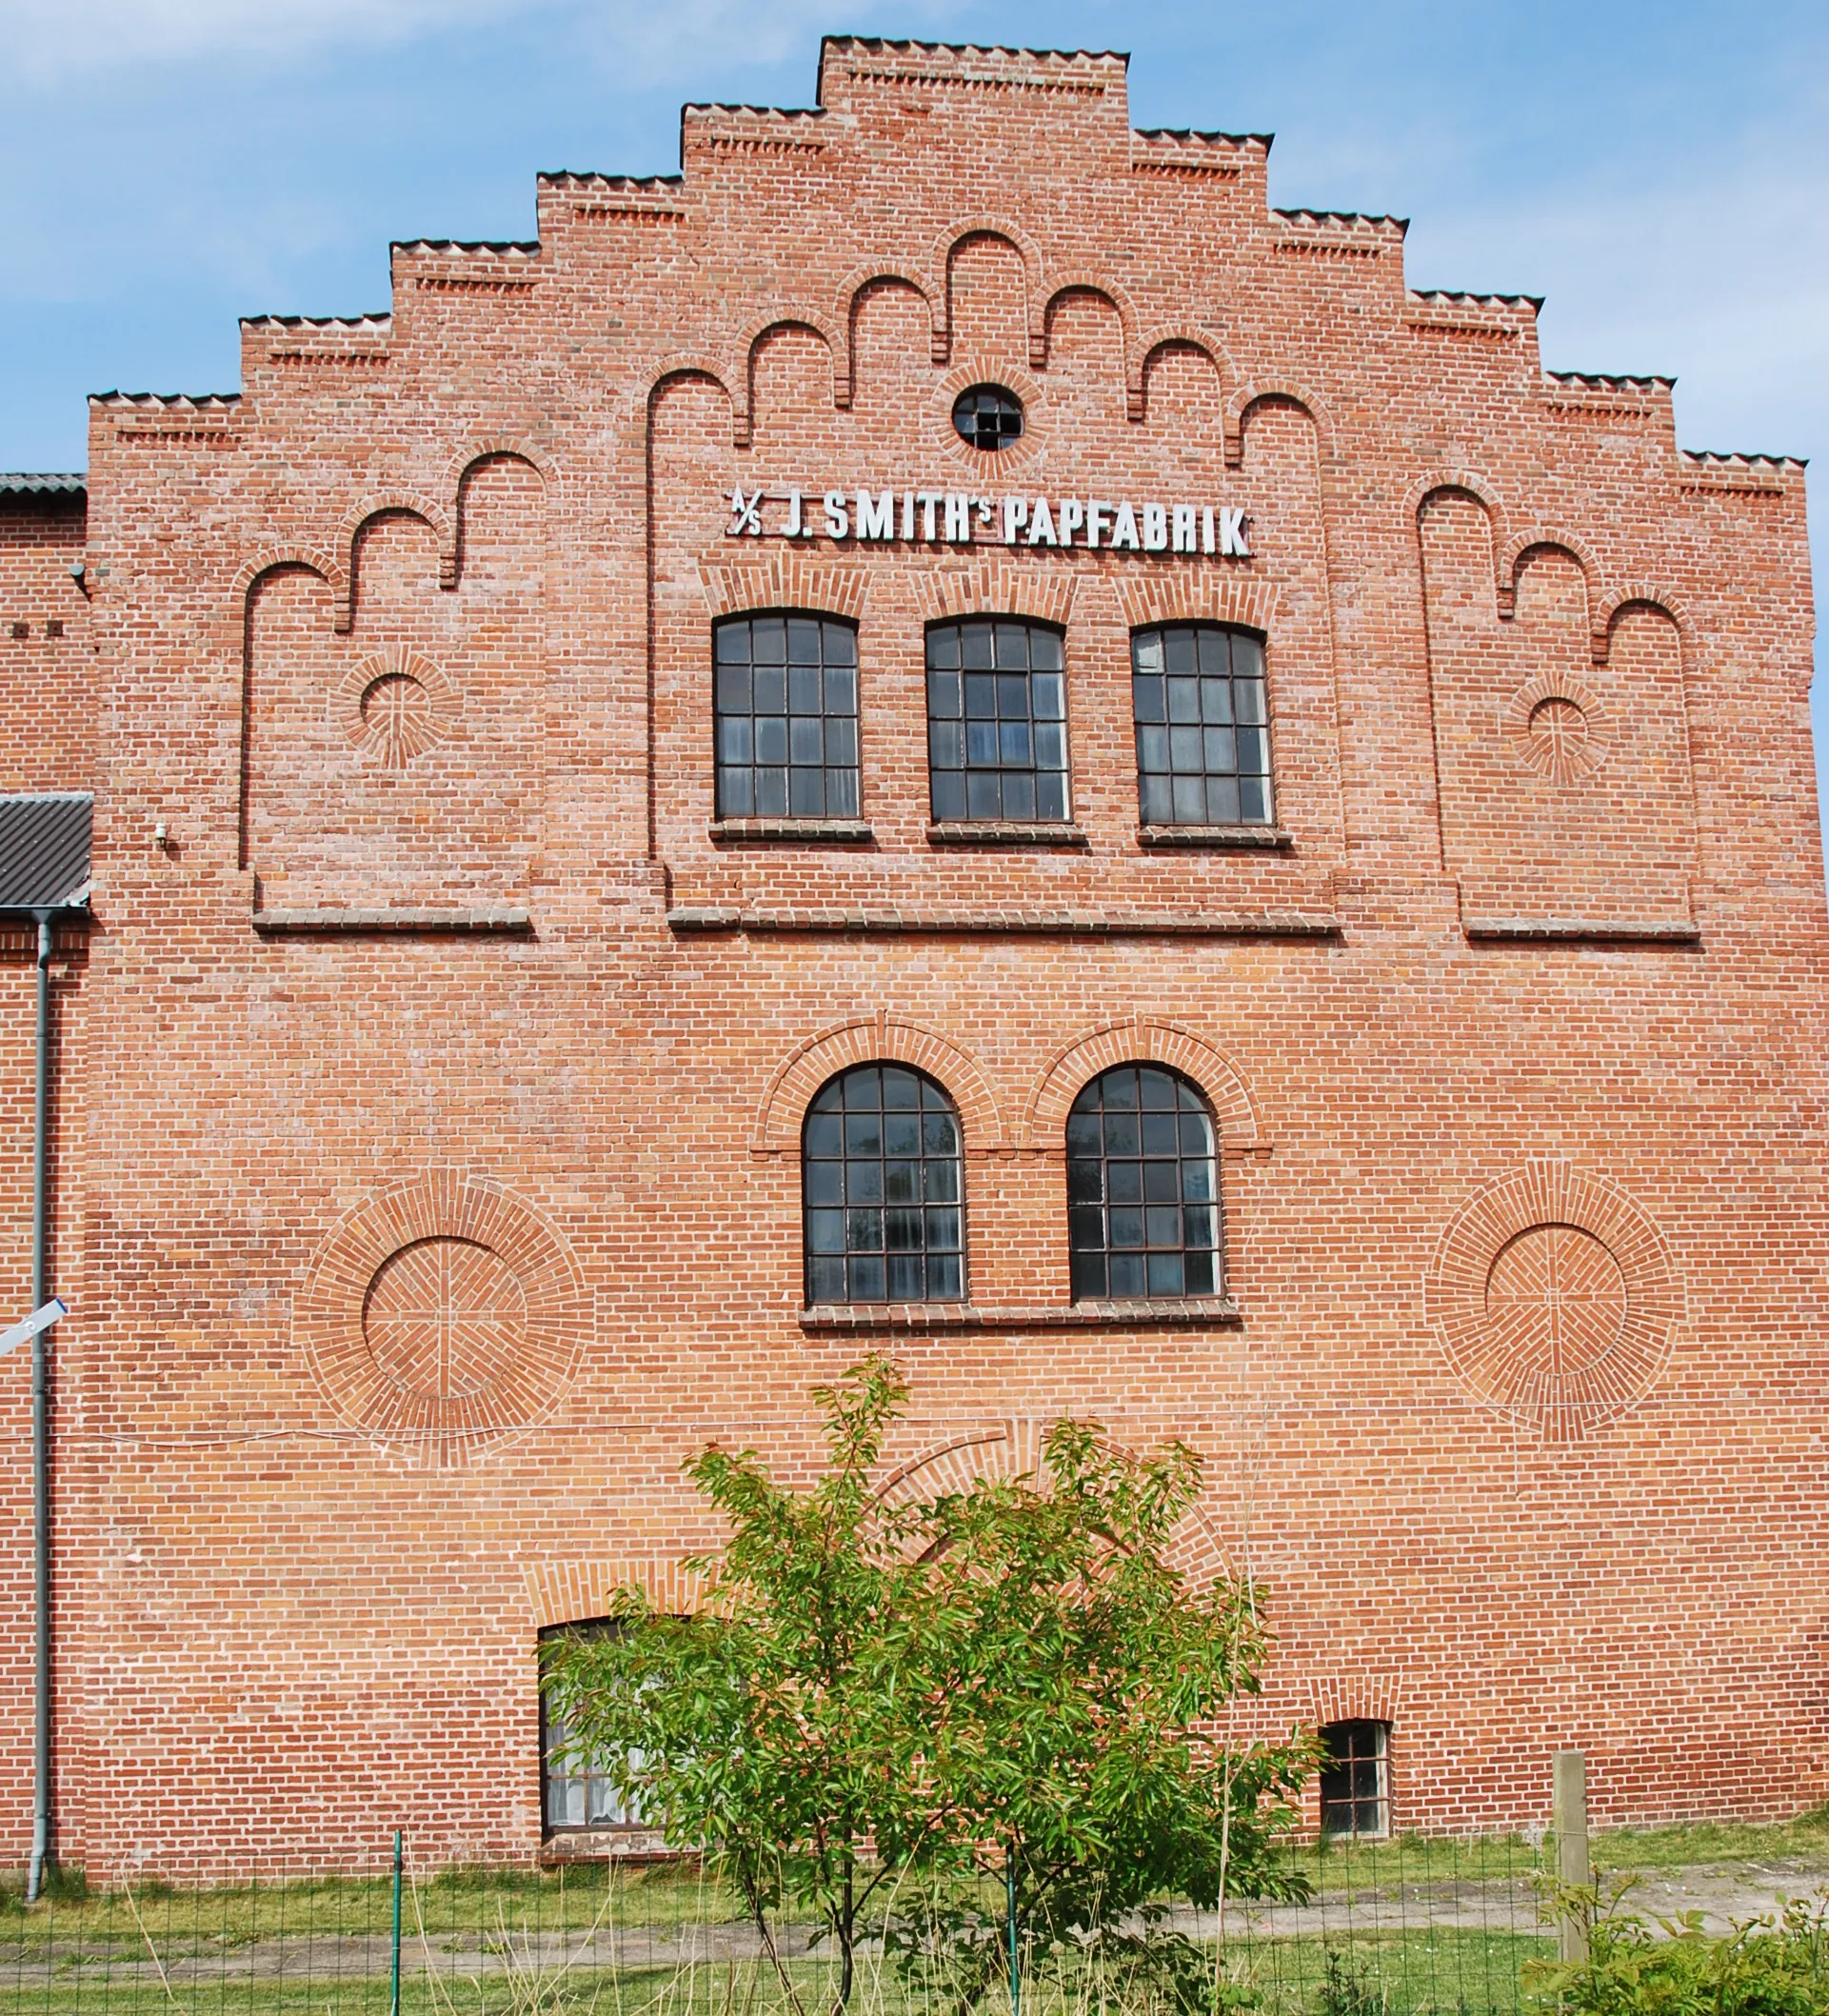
678,367
996,588
576,1592
1181,335
1260,392
321,561
857,282
1639,596
1000,1450
880,1039
1083,280
783,317
1198,595
1541,538
1138,1041
940,293
785,580
385,504
1468,483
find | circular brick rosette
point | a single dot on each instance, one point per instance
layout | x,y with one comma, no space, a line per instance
1556,1298
442,1318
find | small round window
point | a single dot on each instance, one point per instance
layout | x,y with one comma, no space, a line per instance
987,416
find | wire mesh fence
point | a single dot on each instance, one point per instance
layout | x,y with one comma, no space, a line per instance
1411,1929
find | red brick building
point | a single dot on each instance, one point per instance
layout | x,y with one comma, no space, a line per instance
811,760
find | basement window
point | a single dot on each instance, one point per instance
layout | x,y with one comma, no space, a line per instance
1356,1780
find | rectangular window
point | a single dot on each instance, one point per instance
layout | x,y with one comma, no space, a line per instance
1203,727
576,1798
787,718
997,726
1355,1780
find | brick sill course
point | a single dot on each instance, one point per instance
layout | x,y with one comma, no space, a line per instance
1594,929
282,921
1188,1312
1266,836
1042,924
1004,833
846,831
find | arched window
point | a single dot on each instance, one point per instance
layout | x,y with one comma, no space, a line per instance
881,1190
786,715
1203,727
1143,1202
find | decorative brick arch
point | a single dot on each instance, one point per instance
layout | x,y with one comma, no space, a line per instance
316,560
1013,1448
851,290
1466,482
1084,281
1184,336
1540,538
1138,1041
385,504
1639,596
1198,595
996,588
940,289
819,323
1260,392
877,1039
513,1319
683,364
1355,1697
576,1592
778,579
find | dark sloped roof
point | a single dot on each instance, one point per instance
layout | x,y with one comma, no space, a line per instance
44,849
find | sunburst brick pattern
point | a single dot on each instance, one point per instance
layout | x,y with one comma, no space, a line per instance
1555,1299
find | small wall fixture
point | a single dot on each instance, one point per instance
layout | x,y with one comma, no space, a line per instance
161,839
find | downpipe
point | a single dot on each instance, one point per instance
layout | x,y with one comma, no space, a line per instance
41,1428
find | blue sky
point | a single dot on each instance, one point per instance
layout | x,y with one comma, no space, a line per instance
1660,172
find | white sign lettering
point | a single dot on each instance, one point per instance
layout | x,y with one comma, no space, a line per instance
956,518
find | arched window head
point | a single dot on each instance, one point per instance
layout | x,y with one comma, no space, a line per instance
1143,1198
881,1192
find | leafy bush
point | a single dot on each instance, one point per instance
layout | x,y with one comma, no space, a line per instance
1768,1966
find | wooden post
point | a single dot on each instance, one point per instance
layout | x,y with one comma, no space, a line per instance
1569,1812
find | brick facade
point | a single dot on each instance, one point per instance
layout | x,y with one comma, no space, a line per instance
1537,955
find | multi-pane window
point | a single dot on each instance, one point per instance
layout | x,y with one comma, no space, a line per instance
1355,1778
575,1796
787,718
997,731
1203,734
882,1193
1143,1203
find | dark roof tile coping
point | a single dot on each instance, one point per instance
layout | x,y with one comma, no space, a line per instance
1355,217
379,318
1748,458
1613,381
34,483
975,48
526,248
1185,133
592,178
1459,300
198,402
758,111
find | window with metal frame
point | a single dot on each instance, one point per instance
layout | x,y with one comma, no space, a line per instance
786,717
997,726
1355,1779
989,417
1203,727
575,1799
1143,1192
882,1192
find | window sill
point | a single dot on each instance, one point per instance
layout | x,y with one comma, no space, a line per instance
362,922
1188,1312
1004,833
847,833
1219,836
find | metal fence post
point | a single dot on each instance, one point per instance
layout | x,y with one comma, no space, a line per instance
394,2006
1569,1812
1010,1896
